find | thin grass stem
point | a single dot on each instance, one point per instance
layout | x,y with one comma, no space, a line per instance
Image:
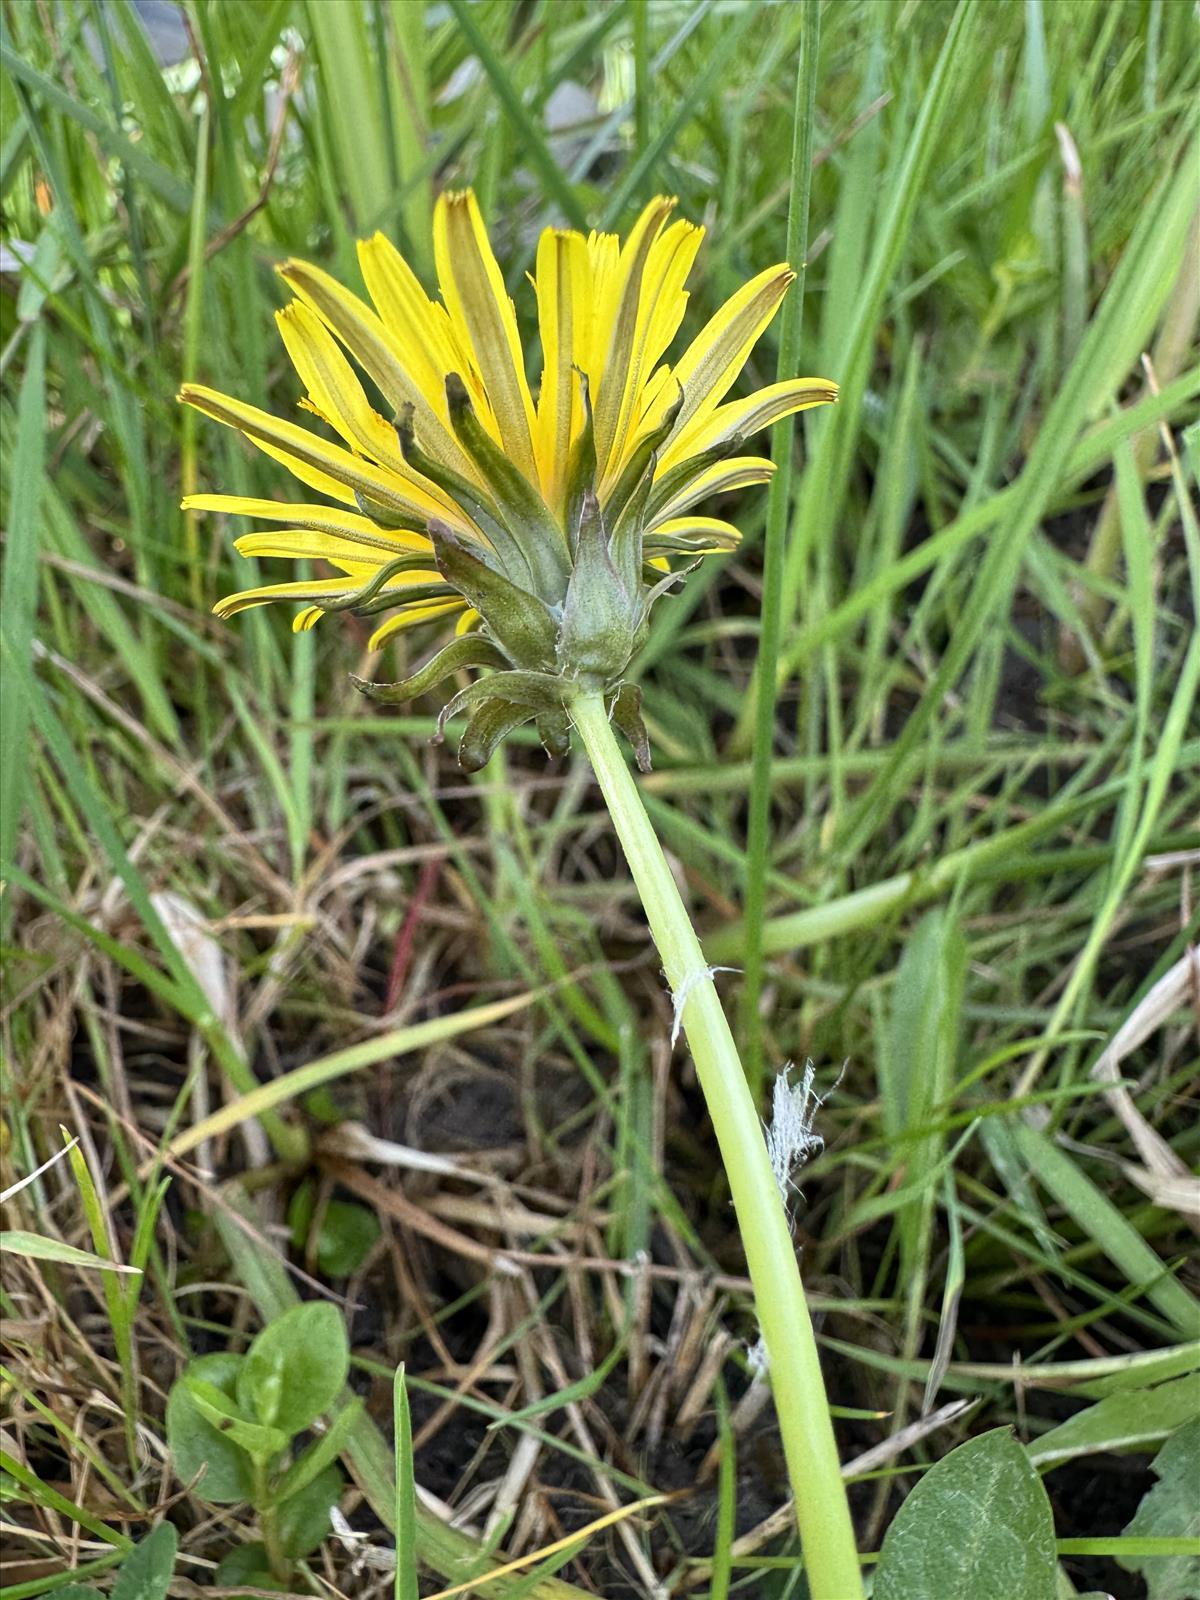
782,450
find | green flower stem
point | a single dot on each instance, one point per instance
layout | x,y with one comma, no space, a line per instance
268,1522
827,1535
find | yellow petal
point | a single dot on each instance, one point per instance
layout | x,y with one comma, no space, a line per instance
383,356
332,387
661,302
659,386
755,412
694,527
483,318
298,544
419,326
677,247
322,465
423,611
304,455
623,318
325,519
736,472
564,309
469,620
718,353
604,255
339,399
317,589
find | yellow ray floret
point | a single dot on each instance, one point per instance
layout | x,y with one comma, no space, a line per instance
317,589
336,472
563,286
389,353
735,472
347,526
739,418
484,321
421,611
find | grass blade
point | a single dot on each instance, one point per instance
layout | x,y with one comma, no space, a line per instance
1108,1229
18,594
406,1494
778,507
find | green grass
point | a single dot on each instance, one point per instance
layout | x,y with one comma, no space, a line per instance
925,756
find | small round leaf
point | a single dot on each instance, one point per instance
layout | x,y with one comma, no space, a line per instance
247,1566
196,1445
978,1524
304,1519
295,1368
147,1570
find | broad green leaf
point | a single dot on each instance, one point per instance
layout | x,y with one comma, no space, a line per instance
248,1566
197,1446
304,1519
1171,1510
319,1454
146,1572
446,1550
348,1231
1128,1420
295,1368
260,1442
977,1526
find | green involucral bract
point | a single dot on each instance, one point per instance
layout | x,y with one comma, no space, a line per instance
559,609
